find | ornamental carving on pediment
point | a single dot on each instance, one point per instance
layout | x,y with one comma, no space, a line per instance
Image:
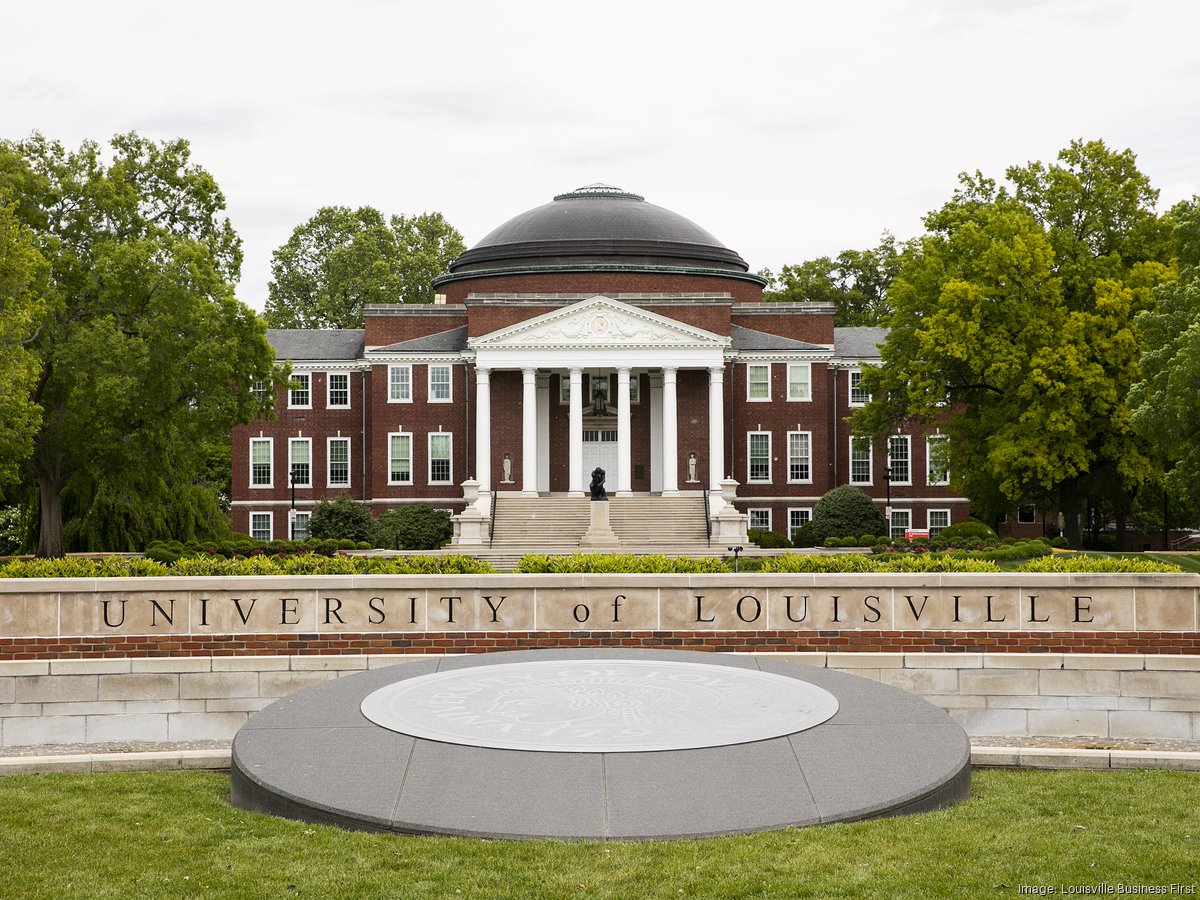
596,326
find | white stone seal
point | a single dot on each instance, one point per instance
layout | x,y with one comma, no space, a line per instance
599,706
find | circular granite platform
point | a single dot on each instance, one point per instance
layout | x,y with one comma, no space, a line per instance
598,744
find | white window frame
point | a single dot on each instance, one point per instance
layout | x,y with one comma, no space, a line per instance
270,442
806,395
750,436
929,514
929,471
635,389
270,525
259,390
564,389
892,529
390,458
895,440
853,382
750,382
449,436
437,367
807,435
329,482
792,526
329,376
307,377
307,525
392,395
862,441
758,510
1032,520
292,443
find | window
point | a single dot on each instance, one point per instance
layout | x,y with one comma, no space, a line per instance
899,458
598,384
758,383
439,384
800,381
858,397
261,451
260,526
564,389
760,518
1026,515
339,462
338,390
300,461
300,526
439,458
399,458
759,443
797,519
860,460
299,393
936,449
938,519
635,387
799,456
901,522
399,384
259,390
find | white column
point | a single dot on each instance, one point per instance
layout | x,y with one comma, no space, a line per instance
575,460
529,469
656,454
483,429
624,484
716,427
543,427
670,429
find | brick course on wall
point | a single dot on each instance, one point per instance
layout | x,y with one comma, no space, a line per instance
600,282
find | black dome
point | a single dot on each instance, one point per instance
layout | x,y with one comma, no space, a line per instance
598,226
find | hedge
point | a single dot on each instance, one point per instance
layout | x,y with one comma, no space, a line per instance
300,564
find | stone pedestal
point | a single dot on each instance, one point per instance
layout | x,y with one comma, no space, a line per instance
599,533
471,525
728,525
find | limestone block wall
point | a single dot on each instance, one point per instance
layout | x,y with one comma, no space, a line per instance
1114,696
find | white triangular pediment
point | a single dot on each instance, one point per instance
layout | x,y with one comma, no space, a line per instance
599,323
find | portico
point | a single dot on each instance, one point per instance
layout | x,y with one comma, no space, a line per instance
594,338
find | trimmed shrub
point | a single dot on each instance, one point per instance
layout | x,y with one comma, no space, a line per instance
413,527
846,510
768,540
1070,562
805,536
1060,543
619,562
341,519
971,530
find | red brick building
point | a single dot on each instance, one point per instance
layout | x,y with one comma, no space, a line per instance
594,331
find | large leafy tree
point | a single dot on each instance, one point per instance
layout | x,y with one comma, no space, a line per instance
1012,324
341,259
1166,400
143,354
856,282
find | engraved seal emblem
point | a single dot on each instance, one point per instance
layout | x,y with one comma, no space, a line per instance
600,706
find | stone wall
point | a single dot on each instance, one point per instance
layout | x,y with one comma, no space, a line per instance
1105,696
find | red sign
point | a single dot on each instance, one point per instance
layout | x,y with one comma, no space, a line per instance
910,533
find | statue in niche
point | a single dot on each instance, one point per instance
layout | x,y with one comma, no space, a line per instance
598,485
692,464
506,469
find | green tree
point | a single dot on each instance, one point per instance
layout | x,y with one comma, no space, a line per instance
142,351
342,519
856,282
1013,322
23,286
341,259
1166,400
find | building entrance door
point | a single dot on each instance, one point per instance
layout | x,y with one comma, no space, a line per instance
600,450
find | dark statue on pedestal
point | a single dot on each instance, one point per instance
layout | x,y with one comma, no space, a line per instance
598,485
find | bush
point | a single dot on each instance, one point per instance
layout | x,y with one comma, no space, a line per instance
1060,543
846,510
768,540
341,519
965,532
805,536
1106,542
1070,562
413,527
618,562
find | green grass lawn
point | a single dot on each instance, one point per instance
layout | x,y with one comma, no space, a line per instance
173,834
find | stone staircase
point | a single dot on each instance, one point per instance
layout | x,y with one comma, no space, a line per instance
644,524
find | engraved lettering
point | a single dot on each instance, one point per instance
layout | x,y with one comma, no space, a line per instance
285,610
586,612
114,624
874,609
494,607
617,607
1081,607
757,608
957,618
700,610
917,612
989,611
1033,610
804,615
375,604
412,610
203,610
332,605
836,613
449,608
156,608
244,615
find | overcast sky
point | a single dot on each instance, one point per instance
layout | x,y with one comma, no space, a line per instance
789,130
